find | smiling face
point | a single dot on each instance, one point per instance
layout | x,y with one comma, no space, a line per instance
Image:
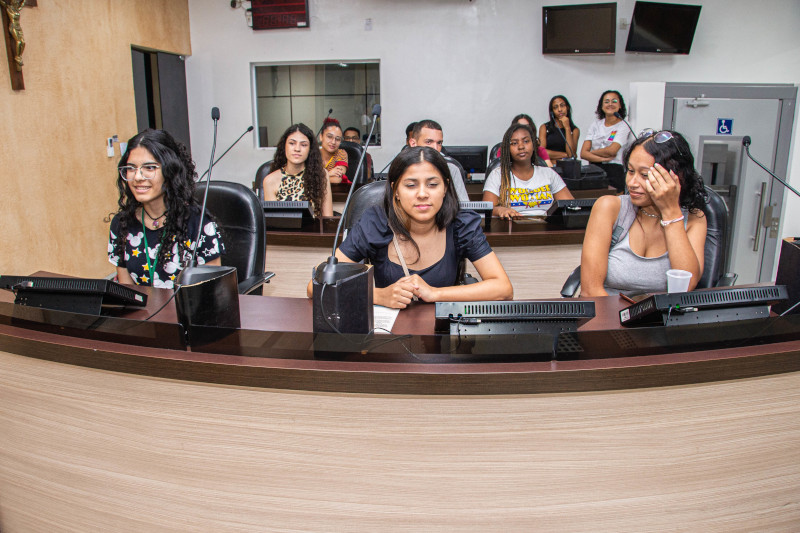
521,146
610,102
331,138
297,146
638,171
559,108
419,193
148,192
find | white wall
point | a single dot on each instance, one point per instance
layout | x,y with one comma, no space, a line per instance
471,65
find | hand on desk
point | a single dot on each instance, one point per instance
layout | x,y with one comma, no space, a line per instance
400,293
507,212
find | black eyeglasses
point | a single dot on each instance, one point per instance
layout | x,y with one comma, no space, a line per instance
660,137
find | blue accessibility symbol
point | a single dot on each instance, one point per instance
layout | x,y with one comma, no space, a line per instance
724,126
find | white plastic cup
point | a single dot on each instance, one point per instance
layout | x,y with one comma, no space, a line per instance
678,280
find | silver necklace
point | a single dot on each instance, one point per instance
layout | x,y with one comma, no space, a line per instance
648,214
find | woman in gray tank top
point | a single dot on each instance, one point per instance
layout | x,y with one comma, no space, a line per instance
632,240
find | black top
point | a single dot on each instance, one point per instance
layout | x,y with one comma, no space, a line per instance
371,237
135,261
554,140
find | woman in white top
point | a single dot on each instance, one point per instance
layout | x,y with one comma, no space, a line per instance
517,188
607,138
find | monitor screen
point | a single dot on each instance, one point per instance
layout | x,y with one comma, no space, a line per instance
471,158
579,29
662,28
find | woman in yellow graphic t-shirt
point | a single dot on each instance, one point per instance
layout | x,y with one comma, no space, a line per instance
517,188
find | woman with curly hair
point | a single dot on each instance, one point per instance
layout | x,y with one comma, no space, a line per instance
607,138
152,234
297,172
632,240
518,188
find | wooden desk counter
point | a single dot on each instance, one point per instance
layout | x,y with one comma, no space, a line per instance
99,436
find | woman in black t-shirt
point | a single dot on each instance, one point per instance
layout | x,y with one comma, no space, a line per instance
420,213
153,233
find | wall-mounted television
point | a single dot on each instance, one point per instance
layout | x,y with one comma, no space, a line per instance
661,28
579,29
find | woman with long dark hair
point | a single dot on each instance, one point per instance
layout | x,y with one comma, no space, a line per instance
559,136
297,172
607,138
333,157
153,233
518,188
632,240
417,238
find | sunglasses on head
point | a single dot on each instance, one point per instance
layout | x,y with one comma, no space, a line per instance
660,137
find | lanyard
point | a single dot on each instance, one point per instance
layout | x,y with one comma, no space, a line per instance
151,268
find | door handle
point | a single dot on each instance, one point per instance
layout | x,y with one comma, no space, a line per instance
759,213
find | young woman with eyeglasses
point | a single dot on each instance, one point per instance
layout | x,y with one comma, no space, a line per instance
153,233
632,240
607,138
333,157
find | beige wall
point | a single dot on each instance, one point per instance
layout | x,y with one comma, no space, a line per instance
57,182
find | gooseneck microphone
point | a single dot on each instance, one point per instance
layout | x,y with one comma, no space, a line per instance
567,147
323,122
626,123
746,143
248,130
207,295
342,292
215,118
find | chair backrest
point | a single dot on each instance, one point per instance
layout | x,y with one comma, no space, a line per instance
493,164
364,198
354,152
262,173
451,160
494,153
240,217
716,213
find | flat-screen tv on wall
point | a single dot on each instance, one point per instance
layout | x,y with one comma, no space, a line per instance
661,28
579,29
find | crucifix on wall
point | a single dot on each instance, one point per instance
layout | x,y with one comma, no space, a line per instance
15,40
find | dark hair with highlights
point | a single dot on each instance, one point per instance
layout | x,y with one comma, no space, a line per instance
179,174
623,111
676,155
397,218
315,177
505,157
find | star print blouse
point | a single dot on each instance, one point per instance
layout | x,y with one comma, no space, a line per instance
164,274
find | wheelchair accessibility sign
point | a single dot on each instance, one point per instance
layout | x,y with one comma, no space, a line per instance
724,126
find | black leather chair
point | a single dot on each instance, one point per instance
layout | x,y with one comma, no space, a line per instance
715,255
240,217
261,173
354,152
494,153
373,194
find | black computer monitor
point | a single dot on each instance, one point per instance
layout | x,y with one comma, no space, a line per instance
579,29
471,158
286,215
661,28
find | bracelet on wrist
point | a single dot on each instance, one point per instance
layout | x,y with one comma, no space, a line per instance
665,223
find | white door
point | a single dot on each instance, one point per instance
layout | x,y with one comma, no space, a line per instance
726,118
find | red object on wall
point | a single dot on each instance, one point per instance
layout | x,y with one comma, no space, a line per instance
276,14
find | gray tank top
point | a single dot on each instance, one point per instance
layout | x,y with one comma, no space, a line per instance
627,271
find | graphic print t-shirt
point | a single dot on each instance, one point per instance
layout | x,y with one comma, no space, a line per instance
533,197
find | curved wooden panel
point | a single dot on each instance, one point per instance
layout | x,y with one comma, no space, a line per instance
91,450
